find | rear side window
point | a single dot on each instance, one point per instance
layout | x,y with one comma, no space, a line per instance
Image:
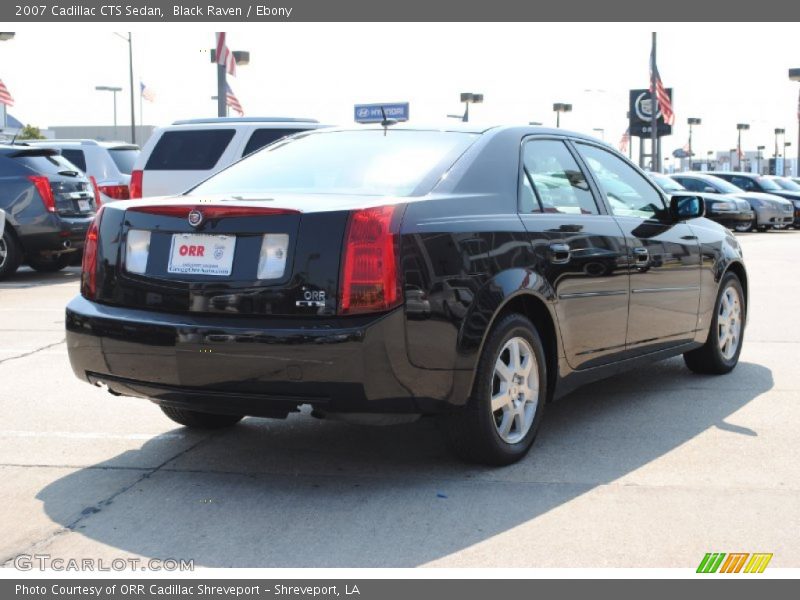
556,180
745,183
124,158
46,165
262,137
693,185
197,150
76,157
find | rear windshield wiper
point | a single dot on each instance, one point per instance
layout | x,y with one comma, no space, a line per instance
68,173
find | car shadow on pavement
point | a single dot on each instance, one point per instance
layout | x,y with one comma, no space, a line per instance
28,278
302,492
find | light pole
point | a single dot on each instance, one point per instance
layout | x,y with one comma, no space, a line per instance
740,127
4,37
785,157
129,39
467,98
794,75
242,58
692,121
759,156
602,132
561,107
114,90
778,131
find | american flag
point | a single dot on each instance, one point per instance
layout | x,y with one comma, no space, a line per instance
146,92
661,94
626,139
232,101
225,55
5,96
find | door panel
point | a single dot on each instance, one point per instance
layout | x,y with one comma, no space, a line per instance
583,250
663,255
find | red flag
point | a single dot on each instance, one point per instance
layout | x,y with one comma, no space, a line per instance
225,55
232,101
5,95
660,93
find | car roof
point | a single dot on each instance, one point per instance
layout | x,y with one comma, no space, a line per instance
227,120
83,142
20,150
461,127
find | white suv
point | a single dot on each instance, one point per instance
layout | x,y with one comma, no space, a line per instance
178,156
109,164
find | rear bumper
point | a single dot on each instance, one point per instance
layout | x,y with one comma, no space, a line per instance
259,367
55,234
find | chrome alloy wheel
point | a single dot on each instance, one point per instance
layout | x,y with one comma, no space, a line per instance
515,390
729,322
3,252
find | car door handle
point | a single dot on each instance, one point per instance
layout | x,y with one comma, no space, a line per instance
641,254
560,253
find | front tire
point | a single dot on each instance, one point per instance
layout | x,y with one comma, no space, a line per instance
10,253
499,422
720,353
200,420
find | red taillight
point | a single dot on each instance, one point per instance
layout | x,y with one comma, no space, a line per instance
45,191
117,192
136,183
97,201
89,263
369,281
211,212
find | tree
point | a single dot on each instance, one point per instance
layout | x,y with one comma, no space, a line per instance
29,132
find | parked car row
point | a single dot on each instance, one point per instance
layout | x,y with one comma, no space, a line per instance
769,204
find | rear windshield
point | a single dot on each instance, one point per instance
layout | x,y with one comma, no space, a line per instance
76,157
47,165
788,184
124,158
726,187
768,184
262,137
196,150
368,162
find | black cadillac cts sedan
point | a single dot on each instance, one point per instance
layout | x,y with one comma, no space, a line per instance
390,272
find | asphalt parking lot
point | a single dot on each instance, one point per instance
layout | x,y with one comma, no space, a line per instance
650,469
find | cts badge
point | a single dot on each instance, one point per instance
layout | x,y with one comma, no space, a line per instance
195,217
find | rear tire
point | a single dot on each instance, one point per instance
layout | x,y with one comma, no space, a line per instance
50,264
200,420
10,253
720,353
500,420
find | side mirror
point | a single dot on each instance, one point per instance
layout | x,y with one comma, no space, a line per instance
683,207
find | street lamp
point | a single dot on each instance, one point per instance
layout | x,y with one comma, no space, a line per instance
114,90
602,132
759,156
129,39
740,127
778,131
467,98
785,157
794,75
242,58
561,107
692,121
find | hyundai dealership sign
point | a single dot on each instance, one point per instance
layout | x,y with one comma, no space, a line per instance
375,113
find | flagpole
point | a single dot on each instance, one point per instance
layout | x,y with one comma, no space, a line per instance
655,158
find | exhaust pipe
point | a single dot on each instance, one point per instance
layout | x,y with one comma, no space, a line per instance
66,244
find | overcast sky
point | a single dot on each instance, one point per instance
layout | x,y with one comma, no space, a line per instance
722,73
